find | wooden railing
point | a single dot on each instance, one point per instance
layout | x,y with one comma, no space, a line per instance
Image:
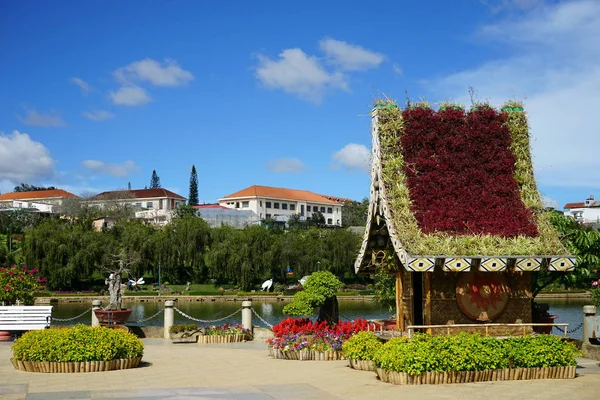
411,328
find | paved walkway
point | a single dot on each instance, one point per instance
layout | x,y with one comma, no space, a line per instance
245,371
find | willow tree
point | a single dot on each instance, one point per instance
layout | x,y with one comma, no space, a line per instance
180,249
63,253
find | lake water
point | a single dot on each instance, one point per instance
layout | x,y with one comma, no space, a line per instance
568,311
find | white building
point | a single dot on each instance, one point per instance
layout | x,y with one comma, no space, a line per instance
153,205
51,197
272,202
586,212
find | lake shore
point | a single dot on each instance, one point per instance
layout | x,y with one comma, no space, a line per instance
239,299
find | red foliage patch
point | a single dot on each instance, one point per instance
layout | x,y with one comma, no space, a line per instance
304,326
460,173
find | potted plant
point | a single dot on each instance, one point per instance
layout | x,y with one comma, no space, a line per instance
114,314
185,333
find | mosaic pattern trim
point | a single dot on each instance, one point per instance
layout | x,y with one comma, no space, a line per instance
562,264
457,265
420,264
528,264
492,264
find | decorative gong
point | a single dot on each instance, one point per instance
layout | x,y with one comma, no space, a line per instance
482,296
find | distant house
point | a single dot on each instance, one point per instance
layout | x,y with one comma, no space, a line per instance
217,215
153,205
103,222
586,212
38,199
272,202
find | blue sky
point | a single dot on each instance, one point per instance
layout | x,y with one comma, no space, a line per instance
97,94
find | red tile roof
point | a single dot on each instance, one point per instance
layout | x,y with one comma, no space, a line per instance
141,194
339,200
279,193
205,206
574,205
37,194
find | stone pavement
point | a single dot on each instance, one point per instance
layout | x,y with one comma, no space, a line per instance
245,371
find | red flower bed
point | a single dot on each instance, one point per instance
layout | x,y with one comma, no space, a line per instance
304,326
460,173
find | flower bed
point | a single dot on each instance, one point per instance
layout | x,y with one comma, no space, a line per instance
225,334
481,142
473,157
301,339
77,349
473,358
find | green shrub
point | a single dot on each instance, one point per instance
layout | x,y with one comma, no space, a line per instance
79,343
541,351
473,352
182,328
361,346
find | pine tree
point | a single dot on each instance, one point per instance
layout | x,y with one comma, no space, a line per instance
193,196
128,185
154,181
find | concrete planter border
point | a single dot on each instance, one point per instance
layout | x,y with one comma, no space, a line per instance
306,355
507,374
75,366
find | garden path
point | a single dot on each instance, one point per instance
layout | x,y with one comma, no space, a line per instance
245,371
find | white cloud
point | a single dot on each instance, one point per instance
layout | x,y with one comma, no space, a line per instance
34,118
118,170
286,165
500,5
130,96
23,159
98,115
297,73
83,85
398,70
169,73
548,202
350,57
555,66
353,156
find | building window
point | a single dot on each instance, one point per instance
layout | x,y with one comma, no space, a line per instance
302,210
260,215
237,204
329,210
284,206
268,203
276,205
329,221
293,207
307,208
338,222
149,204
245,204
261,203
268,215
138,205
160,204
337,210
322,210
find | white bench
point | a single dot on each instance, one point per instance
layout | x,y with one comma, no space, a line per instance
25,318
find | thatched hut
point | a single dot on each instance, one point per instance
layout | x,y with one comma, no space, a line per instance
455,213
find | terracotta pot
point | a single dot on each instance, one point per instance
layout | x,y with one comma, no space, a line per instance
112,317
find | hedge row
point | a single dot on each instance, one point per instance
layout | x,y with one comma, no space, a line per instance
78,343
473,352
